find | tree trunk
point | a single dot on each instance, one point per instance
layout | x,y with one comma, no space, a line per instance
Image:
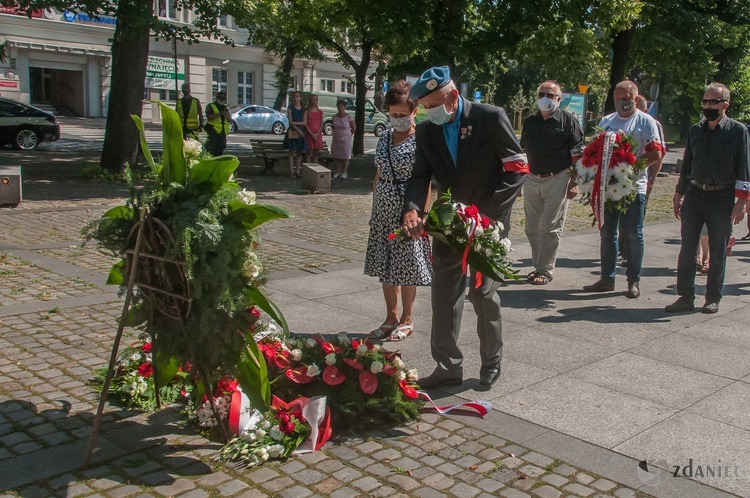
283,80
360,72
380,86
621,44
129,59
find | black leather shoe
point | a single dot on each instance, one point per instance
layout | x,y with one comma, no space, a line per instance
489,375
434,381
601,285
710,308
634,290
682,305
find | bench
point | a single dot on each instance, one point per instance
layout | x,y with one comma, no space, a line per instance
273,151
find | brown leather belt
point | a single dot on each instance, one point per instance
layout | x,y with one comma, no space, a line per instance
710,188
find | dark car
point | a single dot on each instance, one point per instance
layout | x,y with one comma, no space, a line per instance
24,126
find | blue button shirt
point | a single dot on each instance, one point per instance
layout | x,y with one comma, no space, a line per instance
450,131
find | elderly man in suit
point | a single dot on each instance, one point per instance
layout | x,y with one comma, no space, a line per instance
470,149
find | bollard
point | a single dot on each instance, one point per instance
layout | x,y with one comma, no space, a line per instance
10,186
316,178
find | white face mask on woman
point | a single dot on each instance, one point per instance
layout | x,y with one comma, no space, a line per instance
401,124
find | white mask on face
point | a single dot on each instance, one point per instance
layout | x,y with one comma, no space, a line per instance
439,115
546,104
401,124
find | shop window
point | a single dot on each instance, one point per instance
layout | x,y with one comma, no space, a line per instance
168,95
244,88
327,86
218,81
347,87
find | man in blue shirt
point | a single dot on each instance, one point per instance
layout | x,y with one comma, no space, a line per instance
470,149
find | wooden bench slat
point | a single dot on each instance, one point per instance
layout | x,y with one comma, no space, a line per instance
273,151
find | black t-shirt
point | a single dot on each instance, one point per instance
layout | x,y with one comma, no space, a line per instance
548,142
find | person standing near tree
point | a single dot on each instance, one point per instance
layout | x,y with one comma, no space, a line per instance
472,150
715,171
314,129
218,118
294,141
642,127
191,113
343,128
552,140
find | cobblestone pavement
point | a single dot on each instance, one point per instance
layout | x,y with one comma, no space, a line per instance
57,321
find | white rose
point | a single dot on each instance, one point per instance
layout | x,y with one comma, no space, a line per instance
505,243
192,147
375,348
341,336
362,349
478,230
310,343
376,367
248,197
331,359
398,363
250,437
313,370
296,354
291,344
401,375
412,375
275,433
260,433
265,425
264,456
275,450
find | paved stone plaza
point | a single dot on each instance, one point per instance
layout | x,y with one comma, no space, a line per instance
591,385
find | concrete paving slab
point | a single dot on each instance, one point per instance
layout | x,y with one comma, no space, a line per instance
548,351
650,379
729,405
584,410
698,354
687,436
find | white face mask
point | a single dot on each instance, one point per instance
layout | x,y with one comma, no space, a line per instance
401,124
546,104
439,115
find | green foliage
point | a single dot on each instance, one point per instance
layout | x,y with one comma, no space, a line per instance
252,374
196,219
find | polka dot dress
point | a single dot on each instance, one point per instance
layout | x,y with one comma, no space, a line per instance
395,262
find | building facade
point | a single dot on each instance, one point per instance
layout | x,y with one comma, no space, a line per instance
61,61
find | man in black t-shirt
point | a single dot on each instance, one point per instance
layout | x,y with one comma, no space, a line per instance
552,140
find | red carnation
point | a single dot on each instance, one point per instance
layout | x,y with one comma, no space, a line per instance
226,385
255,312
146,369
392,236
486,222
285,424
146,348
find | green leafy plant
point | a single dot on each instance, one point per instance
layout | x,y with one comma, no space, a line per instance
201,273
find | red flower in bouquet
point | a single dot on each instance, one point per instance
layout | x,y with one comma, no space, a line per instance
333,376
368,381
327,346
408,390
146,370
255,312
299,375
286,425
354,363
225,385
146,348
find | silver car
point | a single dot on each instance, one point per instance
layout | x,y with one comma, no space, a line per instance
258,118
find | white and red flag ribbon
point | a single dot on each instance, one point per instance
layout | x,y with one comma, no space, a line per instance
481,407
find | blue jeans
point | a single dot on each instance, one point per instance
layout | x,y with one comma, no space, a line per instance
632,224
715,210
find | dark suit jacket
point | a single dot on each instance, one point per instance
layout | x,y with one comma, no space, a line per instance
490,165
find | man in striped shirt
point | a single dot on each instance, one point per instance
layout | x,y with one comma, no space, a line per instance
715,171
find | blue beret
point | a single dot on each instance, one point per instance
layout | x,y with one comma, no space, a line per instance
431,80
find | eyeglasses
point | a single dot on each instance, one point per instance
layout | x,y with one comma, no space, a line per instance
713,101
549,95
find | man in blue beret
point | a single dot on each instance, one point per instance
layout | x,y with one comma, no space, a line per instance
472,150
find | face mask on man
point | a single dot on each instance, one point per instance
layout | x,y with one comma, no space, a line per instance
711,114
547,104
624,106
439,115
401,124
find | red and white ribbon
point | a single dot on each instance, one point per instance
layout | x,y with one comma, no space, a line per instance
242,415
481,407
598,195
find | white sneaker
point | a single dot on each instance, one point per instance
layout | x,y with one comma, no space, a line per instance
334,176
344,176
